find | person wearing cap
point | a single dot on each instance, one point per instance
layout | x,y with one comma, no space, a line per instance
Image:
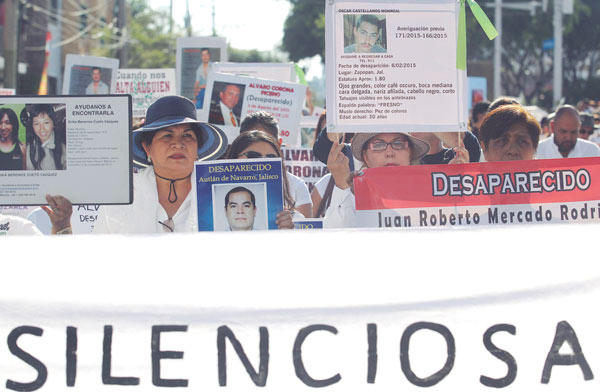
169,143
588,127
373,150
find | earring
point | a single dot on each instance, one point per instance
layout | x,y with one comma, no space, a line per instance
149,159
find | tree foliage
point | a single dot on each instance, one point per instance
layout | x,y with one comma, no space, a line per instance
304,30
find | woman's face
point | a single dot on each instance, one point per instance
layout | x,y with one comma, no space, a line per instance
174,149
258,150
377,154
6,128
514,144
43,126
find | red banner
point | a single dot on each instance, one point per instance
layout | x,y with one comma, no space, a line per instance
479,193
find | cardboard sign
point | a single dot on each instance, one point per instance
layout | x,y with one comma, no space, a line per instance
232,97
89,75
145,86
391,63
195,58
302,163
77,147
383,313
476,194
238,194
283,72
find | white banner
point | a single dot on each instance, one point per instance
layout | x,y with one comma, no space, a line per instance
145,86
379,312
283,72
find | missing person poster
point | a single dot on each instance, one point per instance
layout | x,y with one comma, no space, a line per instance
145,86
195,60
283,72
74,146
392,64
230,98
480,194
301,162
238,194
89,75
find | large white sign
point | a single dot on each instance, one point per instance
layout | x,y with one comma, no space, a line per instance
392,64
74,146
377,311
230,98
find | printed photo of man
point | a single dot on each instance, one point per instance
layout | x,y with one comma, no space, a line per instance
97,86
225,109
366,35
240,208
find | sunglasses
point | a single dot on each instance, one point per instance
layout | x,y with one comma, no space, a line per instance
380,145
254,155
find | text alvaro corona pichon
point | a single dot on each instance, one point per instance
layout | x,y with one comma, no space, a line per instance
510,183
258,368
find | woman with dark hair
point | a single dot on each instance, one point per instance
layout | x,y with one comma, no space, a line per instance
45,147
509,133
259,144
12,151
373,150
168,144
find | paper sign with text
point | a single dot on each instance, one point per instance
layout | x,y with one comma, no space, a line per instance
195,60
90,75
474,194
145,86
81,150
230,98
391,64
302,163
238,194
7,91
283,72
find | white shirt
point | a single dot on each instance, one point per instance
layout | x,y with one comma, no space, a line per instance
547,149
298,190
146,213
342,210
226,112
102,88
15,225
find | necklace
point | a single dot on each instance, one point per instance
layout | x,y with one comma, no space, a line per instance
172,190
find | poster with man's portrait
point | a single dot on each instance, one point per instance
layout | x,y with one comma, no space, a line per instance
89,75
365,33
238,194
195,59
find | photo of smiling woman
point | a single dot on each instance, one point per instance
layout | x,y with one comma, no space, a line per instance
373,150
12,151
46,142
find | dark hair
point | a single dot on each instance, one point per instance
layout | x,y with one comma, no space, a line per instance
544,121
14,121
500,120
147,137
566,109
239,189
502,101
371,19
36,152
247,138
479,108
203,49
261,119
96,68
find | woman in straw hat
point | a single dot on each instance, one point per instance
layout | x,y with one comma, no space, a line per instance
373,150
168,144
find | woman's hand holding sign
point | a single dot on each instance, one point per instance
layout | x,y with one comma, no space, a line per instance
338,165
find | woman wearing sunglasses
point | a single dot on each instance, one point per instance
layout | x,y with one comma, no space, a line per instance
168,144
373,150
259,144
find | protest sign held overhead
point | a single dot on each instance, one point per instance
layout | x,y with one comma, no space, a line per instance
283,72
491,193
238,194
67,140
89,75
195,59
145,86
230,98
391,63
